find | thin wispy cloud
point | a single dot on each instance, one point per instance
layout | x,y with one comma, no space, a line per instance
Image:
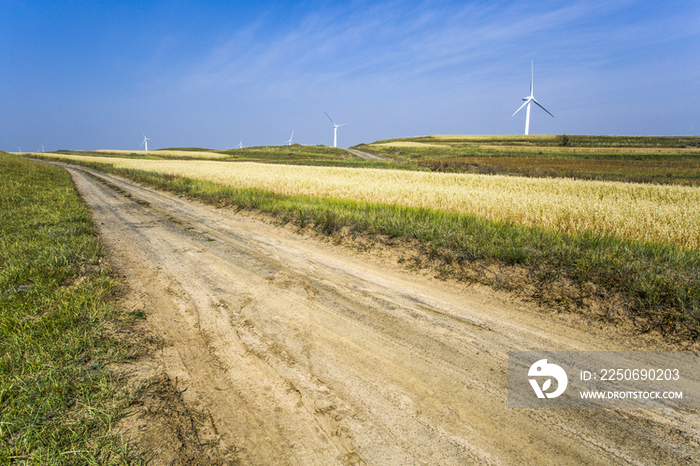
390,44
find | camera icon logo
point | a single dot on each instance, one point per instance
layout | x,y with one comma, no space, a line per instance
542,369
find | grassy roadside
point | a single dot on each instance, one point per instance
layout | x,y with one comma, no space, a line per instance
658,286
58,325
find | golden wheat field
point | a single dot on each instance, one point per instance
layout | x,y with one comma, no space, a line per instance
167,153
654,213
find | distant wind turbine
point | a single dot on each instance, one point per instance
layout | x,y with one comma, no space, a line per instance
289,142
145,142
335,130
529,100
240,144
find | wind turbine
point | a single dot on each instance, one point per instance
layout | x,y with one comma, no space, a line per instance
240,144
145,142
290,139
335,130
529,100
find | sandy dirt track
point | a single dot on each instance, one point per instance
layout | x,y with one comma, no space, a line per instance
366,155
289,350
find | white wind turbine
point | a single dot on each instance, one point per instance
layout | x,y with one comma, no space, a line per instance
335,130
289,142
529,100
240,144
145,142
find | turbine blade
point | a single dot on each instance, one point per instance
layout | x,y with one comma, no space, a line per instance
330,119
532,79
540,105
521,107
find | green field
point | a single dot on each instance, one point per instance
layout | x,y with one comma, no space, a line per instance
58,325
642,159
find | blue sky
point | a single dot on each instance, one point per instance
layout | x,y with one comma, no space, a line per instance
94,75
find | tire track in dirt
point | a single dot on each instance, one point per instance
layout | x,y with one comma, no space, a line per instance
299,352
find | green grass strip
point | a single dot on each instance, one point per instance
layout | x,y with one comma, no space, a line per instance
660,283
58,402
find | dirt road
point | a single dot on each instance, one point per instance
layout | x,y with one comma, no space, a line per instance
289,350
366,155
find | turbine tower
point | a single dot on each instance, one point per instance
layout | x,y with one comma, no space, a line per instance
335,130
240,144
145,142
529,100
290,139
